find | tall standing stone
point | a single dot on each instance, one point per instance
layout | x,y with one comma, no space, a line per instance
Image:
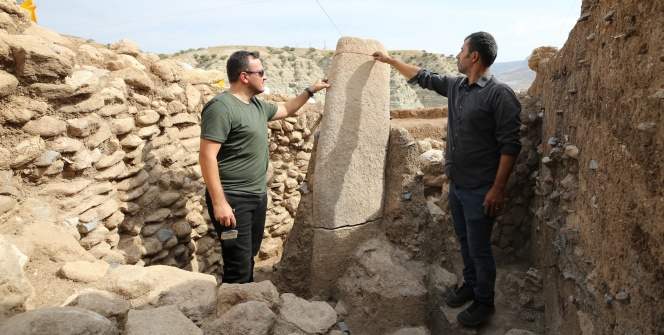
348,196
350,164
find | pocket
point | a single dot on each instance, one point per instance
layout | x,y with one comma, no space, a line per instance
480,190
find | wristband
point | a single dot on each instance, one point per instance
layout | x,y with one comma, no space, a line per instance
308,90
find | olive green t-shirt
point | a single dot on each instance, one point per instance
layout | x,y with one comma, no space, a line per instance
242,131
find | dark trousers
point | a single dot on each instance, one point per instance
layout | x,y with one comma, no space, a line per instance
473,229
238,254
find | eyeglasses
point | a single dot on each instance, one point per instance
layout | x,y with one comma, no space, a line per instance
260,73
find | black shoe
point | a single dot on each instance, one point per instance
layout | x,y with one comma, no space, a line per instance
462,295
477,313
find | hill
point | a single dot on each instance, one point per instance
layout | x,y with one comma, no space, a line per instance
291,69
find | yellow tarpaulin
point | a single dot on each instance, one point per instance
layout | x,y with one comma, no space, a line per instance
27,5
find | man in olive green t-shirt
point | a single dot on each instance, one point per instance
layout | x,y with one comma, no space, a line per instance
234,160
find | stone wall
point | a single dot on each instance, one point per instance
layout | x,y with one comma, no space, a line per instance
103,142
599,235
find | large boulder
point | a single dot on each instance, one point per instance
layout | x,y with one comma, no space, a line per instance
57,320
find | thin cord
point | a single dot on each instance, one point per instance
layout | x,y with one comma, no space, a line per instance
567,18
351,52
328,16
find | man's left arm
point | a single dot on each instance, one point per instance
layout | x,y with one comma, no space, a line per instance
508,125
493,202
288,108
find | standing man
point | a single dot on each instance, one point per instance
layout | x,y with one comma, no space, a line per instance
482,146
234,160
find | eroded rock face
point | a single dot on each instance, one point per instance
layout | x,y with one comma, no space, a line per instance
598,213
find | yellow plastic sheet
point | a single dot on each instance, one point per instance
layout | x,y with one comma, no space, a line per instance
27,5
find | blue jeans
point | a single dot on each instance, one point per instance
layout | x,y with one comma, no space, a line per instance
238,254
473,229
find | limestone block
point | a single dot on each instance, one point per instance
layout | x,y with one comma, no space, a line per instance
114,220
21,110
126,46
103,133
35,61
198,76
147,117
327,267
315,317
399,292
256,318
160,320
16,288
7,204
108,161
147,132
67,145
47,158
230,295
26,151
181,229
8,83
87,106
58,320
159,215
81,127
112,110
135,78
89,54
55,243
84,271
353,138
83,82
111,172
194,98
175,106
122,126
169,70
64,189
131,141
94,237
107,304
113,95
181,118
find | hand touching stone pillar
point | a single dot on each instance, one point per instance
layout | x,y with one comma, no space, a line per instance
350,161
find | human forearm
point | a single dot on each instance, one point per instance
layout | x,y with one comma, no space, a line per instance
288,108
493,201
207,158
409,71
505,168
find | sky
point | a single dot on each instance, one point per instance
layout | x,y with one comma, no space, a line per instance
438,26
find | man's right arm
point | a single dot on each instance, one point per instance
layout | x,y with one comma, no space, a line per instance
409,71
207,158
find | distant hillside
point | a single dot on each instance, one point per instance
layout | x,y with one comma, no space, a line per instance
290,70
516,74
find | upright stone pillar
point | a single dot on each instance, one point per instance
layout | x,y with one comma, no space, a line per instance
348,195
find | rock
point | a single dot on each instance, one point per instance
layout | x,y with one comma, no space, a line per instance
159,285
168,70
8,83
107,304
160,320
84,271
412,331
230,295
122,126
58,320
134,78
7,204
248,318
15,288
54,243
126,46
27,151
34,60
311,317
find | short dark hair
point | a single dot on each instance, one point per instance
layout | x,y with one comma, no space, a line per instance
485,45
238,62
